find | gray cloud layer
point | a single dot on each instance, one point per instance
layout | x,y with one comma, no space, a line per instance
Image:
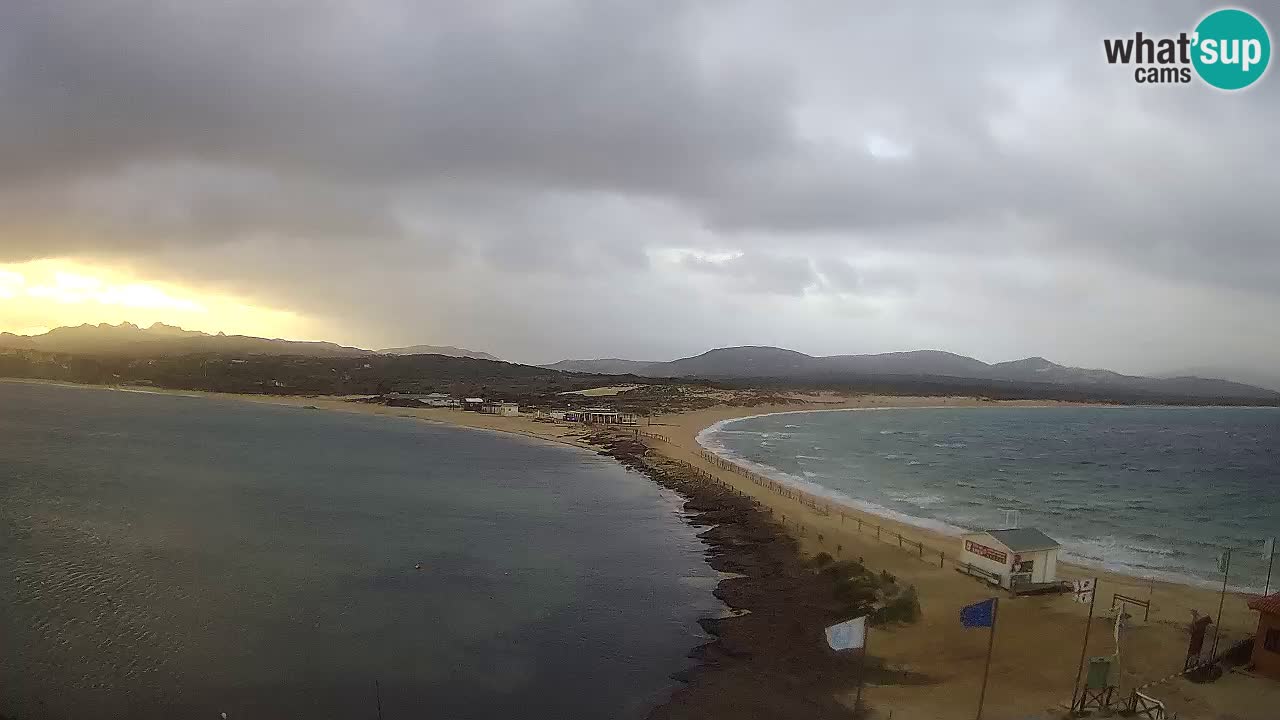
825,176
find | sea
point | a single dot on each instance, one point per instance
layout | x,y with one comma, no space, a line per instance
1156,492
171,556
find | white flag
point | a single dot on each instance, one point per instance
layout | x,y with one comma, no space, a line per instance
1268,548
848,635
1083,590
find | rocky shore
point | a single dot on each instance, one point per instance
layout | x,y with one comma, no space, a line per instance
769,657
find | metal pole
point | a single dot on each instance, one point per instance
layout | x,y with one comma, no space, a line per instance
1217,629
1084,646
991,643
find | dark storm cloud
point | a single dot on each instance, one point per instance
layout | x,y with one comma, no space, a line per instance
884,170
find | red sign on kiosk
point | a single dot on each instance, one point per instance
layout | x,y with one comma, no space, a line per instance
986,552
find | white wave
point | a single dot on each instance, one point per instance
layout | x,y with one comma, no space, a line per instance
822,491
1119,556
1103,553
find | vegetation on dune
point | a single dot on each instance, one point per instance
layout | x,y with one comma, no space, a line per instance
859,591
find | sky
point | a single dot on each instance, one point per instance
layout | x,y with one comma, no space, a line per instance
553,179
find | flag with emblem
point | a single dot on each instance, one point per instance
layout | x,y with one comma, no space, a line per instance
978,614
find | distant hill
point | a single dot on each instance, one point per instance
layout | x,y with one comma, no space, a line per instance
160,339
752,362
603,366
1263,379
447,350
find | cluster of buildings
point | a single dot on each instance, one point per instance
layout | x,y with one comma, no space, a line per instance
593,415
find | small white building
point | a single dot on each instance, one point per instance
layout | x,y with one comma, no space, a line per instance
1015,559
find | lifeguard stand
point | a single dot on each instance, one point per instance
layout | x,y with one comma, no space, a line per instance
1099,685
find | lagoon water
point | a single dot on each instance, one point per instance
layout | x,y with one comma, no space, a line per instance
167,556
1152,491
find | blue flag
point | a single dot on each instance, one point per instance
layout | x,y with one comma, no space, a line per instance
978,614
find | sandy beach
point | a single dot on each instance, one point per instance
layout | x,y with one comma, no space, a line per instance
1039,638
1038,642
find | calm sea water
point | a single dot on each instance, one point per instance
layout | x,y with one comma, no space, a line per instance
1153,491
168,556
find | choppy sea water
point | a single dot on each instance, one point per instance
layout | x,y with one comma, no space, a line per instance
169,556
1153,491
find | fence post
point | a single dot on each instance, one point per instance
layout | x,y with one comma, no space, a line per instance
942,559
877,532
921,546
899,539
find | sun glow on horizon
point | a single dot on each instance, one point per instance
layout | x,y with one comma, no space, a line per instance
39,295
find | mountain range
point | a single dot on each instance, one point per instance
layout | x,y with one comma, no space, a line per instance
448,350
161,340
940,368
756,362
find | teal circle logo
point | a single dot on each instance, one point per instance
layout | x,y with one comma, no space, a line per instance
1232,49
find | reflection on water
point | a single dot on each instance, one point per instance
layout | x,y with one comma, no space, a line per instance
182,557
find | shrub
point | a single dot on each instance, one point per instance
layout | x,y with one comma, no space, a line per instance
903,608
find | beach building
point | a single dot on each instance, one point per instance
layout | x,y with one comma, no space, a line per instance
600,416
1266,646
473,404
506,409
1016,559
435,399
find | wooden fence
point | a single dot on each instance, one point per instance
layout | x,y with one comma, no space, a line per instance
848,518
638,434
827,508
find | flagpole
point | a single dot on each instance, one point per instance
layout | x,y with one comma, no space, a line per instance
1266,590
991,643
1217,629
1084,647
862,667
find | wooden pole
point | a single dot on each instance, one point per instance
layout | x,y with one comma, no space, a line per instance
1084,646
377,693
1217,629
1266,590
991,643
862,665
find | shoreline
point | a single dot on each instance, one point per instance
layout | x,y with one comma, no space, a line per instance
1037,675
933,525
1040,637
768,650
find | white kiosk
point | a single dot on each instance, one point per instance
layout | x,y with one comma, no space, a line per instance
1016,559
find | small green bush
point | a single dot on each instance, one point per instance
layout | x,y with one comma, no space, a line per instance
902,608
